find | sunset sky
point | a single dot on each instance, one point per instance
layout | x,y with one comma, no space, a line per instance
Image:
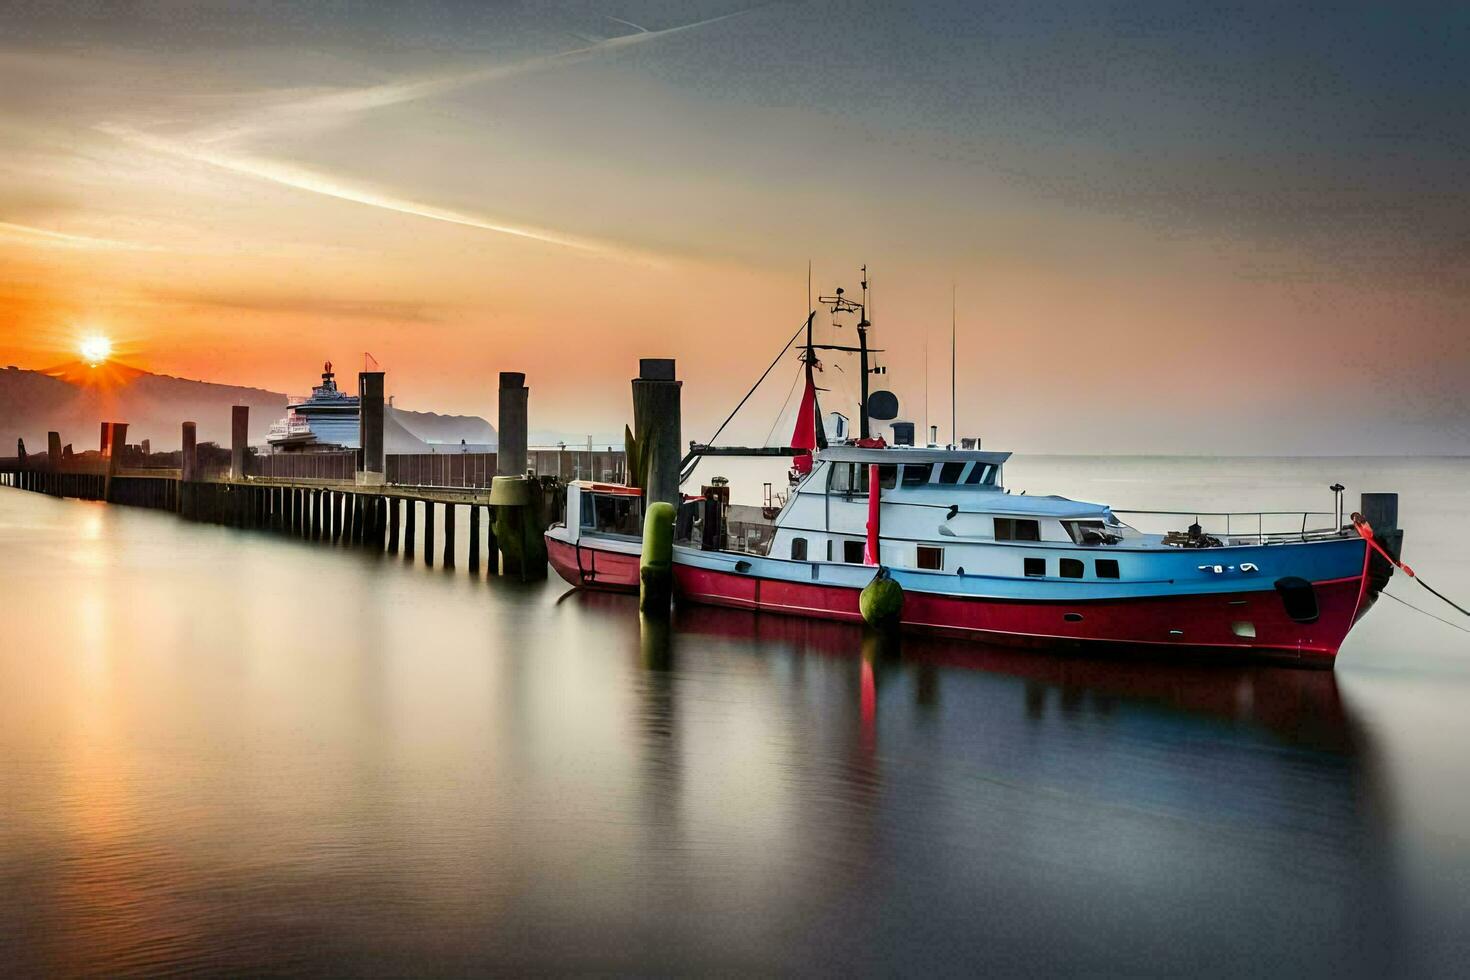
1167,229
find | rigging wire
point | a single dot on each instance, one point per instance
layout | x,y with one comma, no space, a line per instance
757,384
777,421
1426,612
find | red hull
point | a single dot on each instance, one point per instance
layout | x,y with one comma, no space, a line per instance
1198,622
1186,622
592,568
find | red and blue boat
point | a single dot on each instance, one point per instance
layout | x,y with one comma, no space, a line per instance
975,559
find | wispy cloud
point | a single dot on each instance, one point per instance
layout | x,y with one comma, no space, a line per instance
217,145
59,239
302,178
333,107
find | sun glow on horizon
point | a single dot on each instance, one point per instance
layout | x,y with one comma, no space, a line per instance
95,349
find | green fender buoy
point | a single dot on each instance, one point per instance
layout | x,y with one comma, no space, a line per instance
881,601
656,567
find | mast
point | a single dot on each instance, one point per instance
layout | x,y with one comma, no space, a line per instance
954,439
862,332
810,357
838,303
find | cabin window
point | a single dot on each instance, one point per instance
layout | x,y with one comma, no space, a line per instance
852,552
1035,567
612,513
931,559
951,472
1016,529
798,549
916,474
1086,532
851,479
1107,567
1071,568
982,474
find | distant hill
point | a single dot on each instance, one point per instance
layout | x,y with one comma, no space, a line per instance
74,398
447,429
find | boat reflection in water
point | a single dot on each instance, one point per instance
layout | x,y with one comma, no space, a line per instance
1151,816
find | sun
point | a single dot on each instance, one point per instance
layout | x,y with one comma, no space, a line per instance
96,349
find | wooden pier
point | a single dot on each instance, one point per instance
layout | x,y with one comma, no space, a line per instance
358,498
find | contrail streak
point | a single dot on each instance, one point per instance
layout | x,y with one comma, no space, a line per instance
61,239
201,145
319,183
397,93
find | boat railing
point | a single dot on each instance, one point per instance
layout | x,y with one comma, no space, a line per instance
1289,525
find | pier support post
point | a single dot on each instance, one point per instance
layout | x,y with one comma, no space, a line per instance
492,545
394,507
116,438
510,449
370,427
188,469
354,502
656,429
239,439
336,516
449,510
474,539
412,507
429,532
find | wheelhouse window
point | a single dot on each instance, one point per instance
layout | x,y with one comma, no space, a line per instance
1071,568
1016,529
851,479
1106,567
1035,567
1089,532
931,559
798,549
852,552
916,474
981,475
611,513
951,472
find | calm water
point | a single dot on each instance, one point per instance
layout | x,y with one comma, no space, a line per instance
227,752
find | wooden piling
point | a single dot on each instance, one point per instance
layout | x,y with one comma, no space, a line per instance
656,429
394,506
449,510
239,439
474,539
408,529
429,533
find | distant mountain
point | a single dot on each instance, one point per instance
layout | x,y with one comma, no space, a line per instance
74,398
448,429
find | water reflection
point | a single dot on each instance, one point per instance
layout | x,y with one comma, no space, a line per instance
286,758
1251,795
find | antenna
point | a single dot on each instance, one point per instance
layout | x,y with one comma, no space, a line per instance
953,330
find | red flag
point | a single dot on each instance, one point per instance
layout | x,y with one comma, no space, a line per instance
805,434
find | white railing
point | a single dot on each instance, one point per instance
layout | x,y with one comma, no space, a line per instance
1210,523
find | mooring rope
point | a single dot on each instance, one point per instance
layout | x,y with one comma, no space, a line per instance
1365,531
1425,612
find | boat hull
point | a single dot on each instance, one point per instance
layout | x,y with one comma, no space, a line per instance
1245,622
598,567
1213,622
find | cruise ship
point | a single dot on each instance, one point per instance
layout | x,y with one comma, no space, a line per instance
326,420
